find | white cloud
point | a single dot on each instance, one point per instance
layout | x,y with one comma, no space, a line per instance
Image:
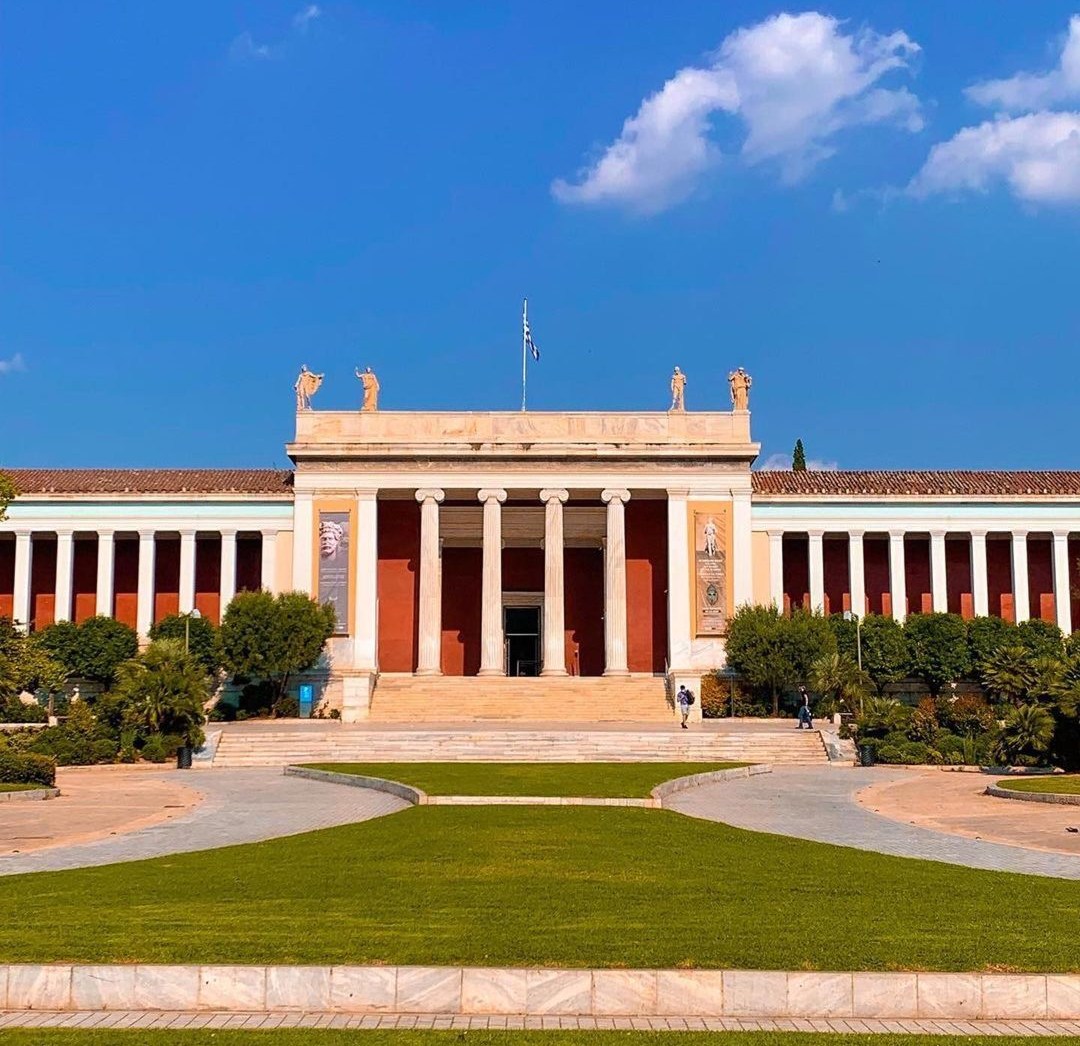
1037,156
1029,91
13,365
245,49
794,82
782,463
303,18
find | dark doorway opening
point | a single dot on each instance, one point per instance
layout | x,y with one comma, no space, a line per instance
521,625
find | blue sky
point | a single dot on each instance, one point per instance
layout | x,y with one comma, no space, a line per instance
874,208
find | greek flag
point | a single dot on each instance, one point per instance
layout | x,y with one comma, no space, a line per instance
529,343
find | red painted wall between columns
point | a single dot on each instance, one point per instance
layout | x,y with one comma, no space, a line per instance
796,571
208,577
837,585
958,576
84,579
398,584
999,577
920,597
42,582
523,570
462,585
248,563
646,585
166,577
1074,579
584,614
1040,577
7,577
876,573
126,580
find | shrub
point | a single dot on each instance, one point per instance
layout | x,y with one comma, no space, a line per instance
882,716
906,753
79,741
1025,735
966,715
26,768
163,691
199,633
985,636
153,749
924,722
1041,638
14,711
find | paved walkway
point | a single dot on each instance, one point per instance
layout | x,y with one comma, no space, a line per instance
819,803
266,1021
239,806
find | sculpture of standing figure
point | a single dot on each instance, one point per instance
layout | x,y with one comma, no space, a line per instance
307,384
740,383
678,390
371,389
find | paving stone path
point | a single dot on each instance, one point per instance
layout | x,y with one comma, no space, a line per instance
265,1021
819,803
241,806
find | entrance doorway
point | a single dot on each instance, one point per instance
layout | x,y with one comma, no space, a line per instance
521,626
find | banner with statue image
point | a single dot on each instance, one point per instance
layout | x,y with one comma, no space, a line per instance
334,543
710,552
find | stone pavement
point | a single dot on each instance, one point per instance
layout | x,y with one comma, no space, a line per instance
819,803
103,1019
239,806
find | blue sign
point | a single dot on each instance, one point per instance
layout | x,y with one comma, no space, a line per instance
307,699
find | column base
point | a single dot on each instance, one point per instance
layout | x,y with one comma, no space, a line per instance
553,672
491,672
616,672
428,672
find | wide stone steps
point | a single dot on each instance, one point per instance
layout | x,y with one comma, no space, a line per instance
267,747
419,699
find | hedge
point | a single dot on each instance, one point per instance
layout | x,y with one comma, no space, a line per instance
26,768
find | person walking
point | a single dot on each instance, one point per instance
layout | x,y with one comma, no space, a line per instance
806,717
684,699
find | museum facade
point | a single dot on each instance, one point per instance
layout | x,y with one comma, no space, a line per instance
572,547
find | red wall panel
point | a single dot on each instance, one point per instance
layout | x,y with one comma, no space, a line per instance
249,563
876,573
958,575
84,579
462,584
999,577
1040,577
796,571
1074,578
7,576
523,570
398,584
208,577
646,585
920,599
166,577
42,582
584,573
126,580
836,574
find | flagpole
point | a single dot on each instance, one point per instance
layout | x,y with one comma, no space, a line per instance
524,347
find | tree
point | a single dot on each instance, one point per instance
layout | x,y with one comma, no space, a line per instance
1009,674
1041,638
93,650
198,633
26,666
987,635
271,638
809,637
937,648
798,457
8,493
884,647
1026,734
757,649
163,690
837,676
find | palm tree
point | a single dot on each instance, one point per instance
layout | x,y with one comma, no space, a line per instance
1009,674
1025,734
837,676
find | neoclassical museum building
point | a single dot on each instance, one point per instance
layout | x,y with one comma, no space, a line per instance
467,553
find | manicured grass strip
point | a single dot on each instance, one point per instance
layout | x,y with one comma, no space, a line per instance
1057,784
597,780
313,1037
19,787
548,886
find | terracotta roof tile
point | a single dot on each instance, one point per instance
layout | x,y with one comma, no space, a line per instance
151,481
953,483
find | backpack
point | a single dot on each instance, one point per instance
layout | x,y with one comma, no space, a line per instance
689,697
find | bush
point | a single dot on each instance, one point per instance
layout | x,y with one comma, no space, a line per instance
966,715
26,768
1041,638
14,711
93,650
153,749
924,722
905,752
985,636
79,741
199,633
287,707
937,648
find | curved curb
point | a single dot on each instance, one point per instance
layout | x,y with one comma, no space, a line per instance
680,784
29,795
416,797
1058,798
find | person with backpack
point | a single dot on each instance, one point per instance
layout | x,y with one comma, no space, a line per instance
684,699
806,717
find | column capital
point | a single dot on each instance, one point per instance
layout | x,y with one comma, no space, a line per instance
366,493
550,494
105,533
487,494
614,494
938,534
856,534
23,532
977,534
775,535
64,533
678,493
1061,535
147,534
430,494
188,532
1019,535
228,532
815,535
897,535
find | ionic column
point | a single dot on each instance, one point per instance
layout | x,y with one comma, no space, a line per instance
429,656
938,584
554,618
65,557
980,591
227,577
615,659
187,571
856,572
268,570
742,574
678,601
20,606
776,568
491,614
816,557
144,613
303,567
366,582
1020,576
1062,595
897,577
106,557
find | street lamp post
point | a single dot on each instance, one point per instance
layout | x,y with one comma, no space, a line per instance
850,615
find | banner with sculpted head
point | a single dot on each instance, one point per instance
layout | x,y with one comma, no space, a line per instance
710,552
334,545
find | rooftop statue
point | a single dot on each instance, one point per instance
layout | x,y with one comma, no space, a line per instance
678,390
371,389
740,383
307,384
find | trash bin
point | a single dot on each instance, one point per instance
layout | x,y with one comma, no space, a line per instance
866,755
183,757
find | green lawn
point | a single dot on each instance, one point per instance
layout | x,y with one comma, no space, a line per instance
20,787
1061,785
598,780
552,886
308,1037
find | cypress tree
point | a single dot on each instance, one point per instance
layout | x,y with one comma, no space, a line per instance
798,458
